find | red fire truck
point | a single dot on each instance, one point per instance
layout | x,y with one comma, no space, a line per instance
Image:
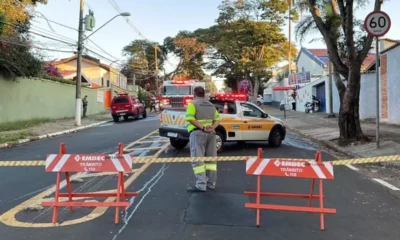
177,94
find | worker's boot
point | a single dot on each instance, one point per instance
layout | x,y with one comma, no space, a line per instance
194,189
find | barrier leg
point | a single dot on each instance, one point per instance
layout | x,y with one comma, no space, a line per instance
55,210
69,189
258,200
123,195
311,193
118,198
321,203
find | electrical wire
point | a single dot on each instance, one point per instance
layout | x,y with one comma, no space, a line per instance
33,46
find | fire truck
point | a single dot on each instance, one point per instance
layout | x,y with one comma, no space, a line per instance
177,94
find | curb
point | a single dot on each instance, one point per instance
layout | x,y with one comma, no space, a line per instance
35,138
324,143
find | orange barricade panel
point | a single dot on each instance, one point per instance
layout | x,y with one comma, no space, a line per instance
88,163
66,163
289,168
315,170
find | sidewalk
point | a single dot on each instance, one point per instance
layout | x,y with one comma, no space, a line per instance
325,131
49,129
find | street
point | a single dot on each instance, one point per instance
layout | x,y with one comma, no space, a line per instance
164,210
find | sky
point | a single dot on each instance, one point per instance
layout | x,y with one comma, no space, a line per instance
154,19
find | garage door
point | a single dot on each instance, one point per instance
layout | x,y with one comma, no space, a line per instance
321,97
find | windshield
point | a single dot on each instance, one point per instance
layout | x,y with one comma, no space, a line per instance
177,90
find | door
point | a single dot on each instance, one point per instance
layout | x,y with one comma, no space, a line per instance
255,126
321,97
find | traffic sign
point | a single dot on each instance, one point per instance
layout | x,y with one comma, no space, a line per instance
377,23
89,163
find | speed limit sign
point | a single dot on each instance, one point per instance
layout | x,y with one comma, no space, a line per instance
377,23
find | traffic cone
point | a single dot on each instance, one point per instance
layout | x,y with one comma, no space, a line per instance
225,108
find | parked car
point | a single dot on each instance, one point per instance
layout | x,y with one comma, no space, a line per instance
127,106
260,100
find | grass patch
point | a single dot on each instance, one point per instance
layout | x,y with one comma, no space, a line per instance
14,137
22,124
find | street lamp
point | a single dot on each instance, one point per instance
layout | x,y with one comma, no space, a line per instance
78,103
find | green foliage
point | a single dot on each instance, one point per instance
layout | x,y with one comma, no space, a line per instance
144,97
210,85
22,124
18,61
190,52
246,41
141,61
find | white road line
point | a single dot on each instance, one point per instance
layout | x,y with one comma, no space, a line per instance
352,167
388,185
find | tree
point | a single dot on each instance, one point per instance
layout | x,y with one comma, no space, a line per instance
190,53
210,85
16,59
246,41
347,50
142,62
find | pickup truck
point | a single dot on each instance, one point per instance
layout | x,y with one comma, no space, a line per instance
244,121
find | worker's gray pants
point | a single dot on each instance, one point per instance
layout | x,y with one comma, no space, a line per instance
203,144
84,110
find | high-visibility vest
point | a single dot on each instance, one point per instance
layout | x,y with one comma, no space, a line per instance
203,111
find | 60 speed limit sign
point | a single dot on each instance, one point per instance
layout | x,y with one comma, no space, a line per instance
377,23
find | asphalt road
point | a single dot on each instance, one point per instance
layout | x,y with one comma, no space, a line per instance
165,210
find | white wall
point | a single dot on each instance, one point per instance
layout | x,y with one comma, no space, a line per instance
309,65
393,71
305,93
368,96
278,96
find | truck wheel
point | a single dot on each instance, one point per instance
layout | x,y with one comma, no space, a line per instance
219,140
275,138
126,118
178,143
144,114
116,119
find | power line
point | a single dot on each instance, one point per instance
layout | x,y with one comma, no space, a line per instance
118,9
103,50
33,46
53,34
60,24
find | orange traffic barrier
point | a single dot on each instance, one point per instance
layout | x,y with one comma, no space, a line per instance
225,111
290,168
66,163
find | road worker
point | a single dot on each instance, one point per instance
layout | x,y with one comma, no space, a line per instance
203,118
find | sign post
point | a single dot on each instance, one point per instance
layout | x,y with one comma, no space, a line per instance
377,24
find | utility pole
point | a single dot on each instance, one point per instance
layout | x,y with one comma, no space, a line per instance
330,113
156,59
78,106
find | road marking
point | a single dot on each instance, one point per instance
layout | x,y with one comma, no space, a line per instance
386,184
352,167
8,218
153,181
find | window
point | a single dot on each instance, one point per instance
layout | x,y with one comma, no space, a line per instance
251,111
177,90
121,100
219,105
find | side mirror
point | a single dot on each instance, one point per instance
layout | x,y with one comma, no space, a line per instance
264,115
